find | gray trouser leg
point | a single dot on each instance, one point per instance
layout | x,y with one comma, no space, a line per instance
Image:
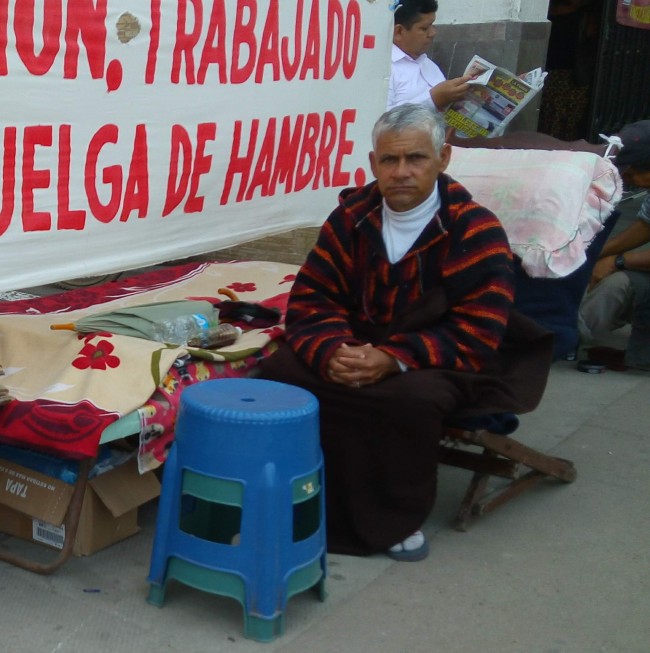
607,307
638,348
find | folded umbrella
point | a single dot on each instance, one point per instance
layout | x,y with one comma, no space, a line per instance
141,321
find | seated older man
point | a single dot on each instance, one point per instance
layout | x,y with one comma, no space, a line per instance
400,317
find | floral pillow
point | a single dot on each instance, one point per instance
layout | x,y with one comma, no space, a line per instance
551,203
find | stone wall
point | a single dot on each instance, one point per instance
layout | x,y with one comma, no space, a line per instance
289,247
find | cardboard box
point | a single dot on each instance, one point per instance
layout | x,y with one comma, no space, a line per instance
33,506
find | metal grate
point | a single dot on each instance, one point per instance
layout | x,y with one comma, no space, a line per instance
621,91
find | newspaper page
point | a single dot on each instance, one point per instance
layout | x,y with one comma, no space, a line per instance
494,98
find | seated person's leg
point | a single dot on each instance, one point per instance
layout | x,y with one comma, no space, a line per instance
381,447
638,349
606,307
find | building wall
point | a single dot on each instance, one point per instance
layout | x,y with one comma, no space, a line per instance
486,11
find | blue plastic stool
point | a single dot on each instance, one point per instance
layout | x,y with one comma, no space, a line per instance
242,507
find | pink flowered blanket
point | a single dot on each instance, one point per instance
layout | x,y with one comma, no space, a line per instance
68,387
552,203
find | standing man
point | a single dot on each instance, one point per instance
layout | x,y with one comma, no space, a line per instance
619,292
414,77
395,321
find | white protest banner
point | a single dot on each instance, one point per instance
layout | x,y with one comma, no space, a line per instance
133,133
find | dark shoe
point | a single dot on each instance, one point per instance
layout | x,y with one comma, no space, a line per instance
612,359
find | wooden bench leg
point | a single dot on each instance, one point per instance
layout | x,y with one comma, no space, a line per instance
559,468
501,456
513,489
475,491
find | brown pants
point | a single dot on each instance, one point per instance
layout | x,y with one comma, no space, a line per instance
380,442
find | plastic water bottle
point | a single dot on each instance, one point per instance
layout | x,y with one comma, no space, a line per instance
217,336
180,330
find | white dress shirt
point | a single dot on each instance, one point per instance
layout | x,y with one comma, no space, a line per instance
411,79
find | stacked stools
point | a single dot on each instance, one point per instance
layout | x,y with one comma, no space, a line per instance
242,507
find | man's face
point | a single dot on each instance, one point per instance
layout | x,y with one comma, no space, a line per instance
406,166
637,178
416,40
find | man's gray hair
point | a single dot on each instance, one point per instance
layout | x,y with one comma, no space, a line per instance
411,116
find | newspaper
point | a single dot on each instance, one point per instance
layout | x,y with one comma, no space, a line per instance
494,98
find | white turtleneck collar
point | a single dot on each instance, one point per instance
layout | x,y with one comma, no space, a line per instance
401,229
